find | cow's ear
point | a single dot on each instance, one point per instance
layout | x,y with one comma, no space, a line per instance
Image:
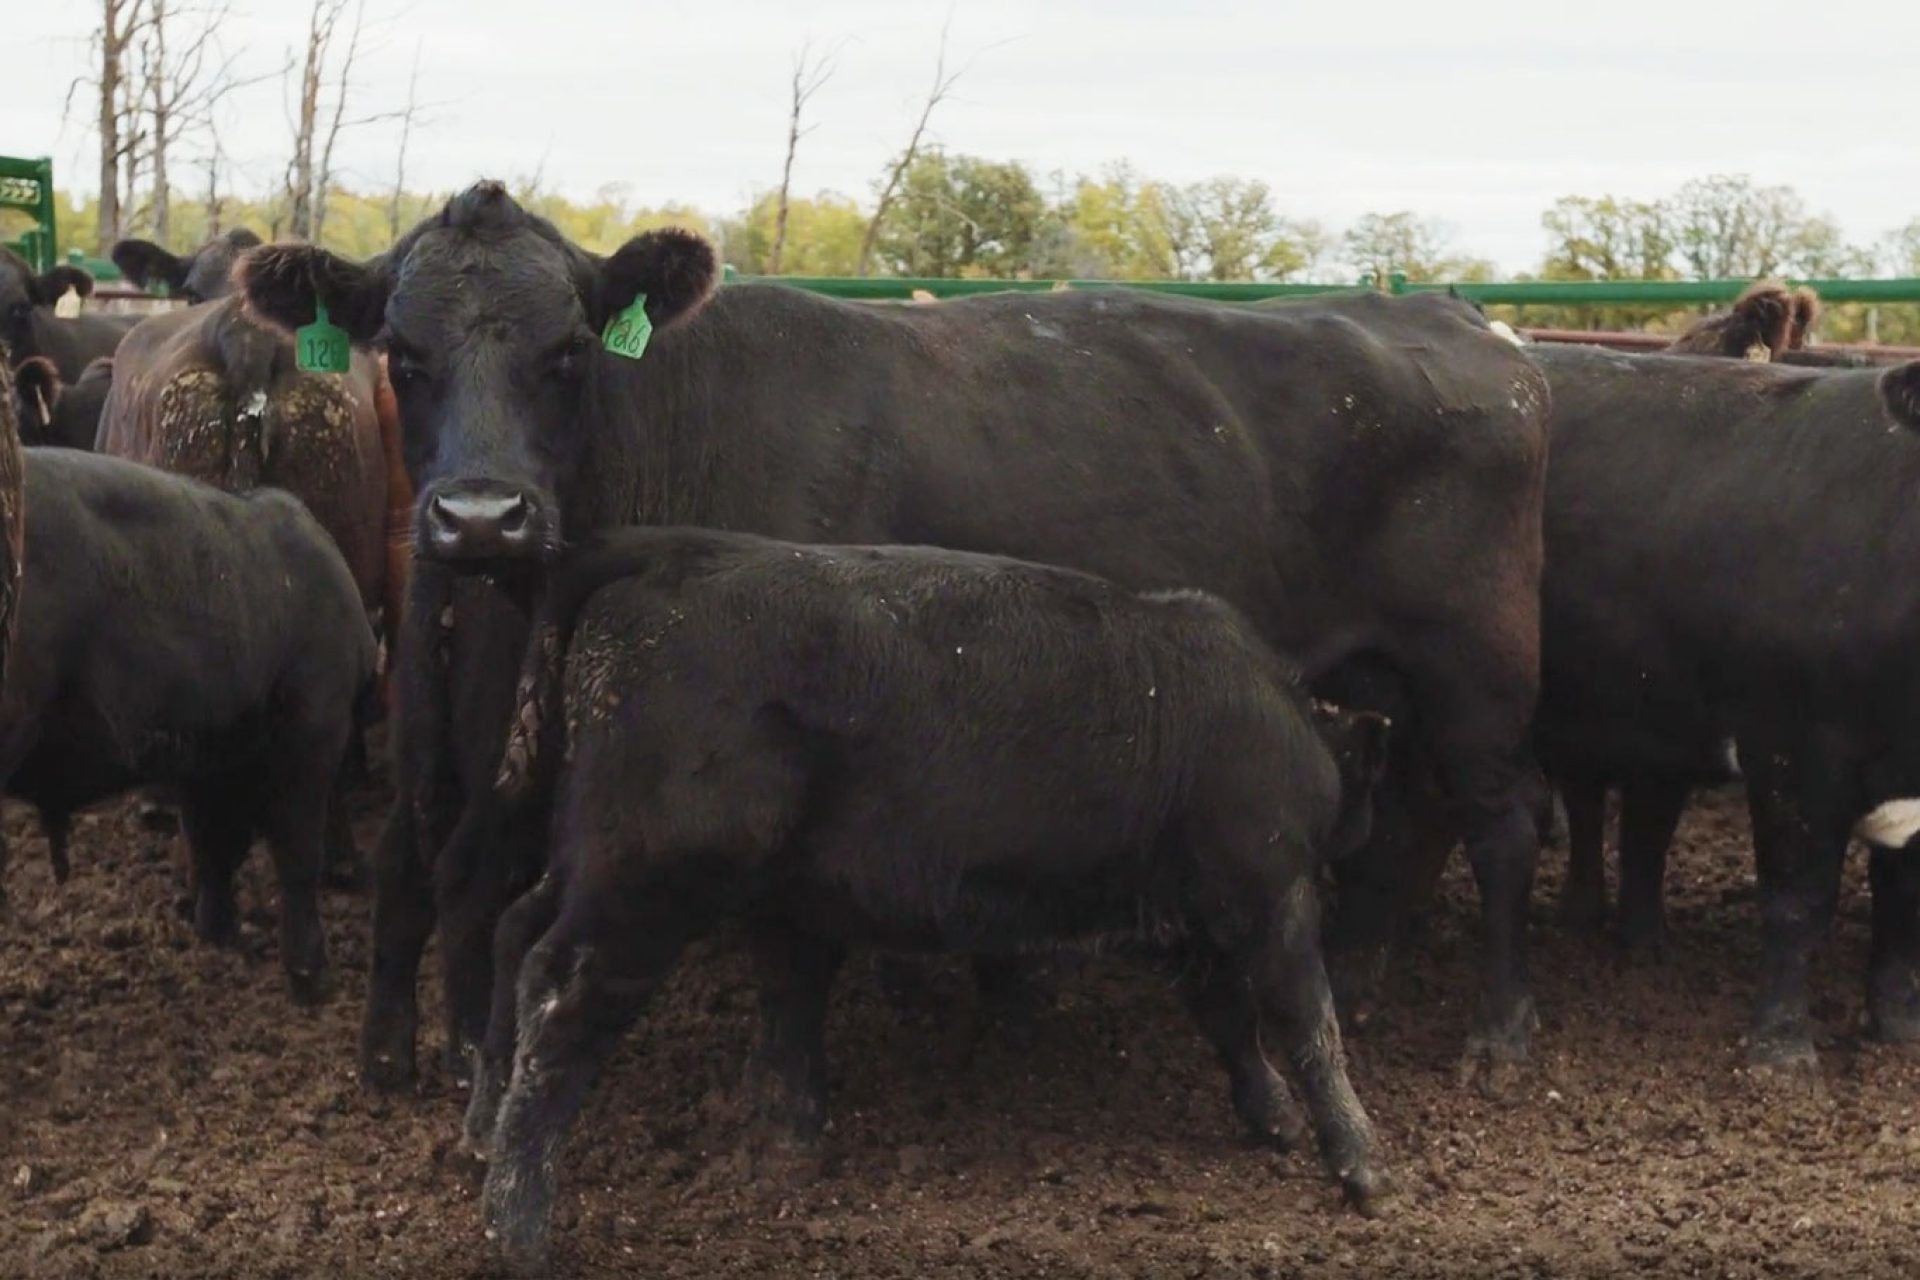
1806,313
282,283
675,268
147,264
52,285
37,389
1900,392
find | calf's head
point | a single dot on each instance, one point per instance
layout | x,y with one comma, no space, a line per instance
202,276
1357,741
495,330
22,290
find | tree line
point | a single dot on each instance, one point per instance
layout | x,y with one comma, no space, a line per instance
162,78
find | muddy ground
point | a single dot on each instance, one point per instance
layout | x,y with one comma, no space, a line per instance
164,1111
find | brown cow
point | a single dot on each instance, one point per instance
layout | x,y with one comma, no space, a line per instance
207,392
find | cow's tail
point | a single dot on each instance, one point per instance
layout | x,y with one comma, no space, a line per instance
536,735
1900,392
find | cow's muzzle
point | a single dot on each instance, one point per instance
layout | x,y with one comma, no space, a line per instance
483,520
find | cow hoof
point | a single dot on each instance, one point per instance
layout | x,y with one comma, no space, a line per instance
1583,912
1497,1054
1783,1058
1893,1018
1368,1190
346,877
1356,978
387,1073
309,988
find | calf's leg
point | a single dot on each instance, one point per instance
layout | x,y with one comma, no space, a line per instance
295,823
1650,810
580,987
1296,1004
402,923
787,1074
1221,1000
522,924
1583,899
219,826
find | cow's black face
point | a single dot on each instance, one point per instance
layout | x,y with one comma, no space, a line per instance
203,276
21,291
492,325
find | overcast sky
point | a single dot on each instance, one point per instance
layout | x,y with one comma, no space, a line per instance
1477,112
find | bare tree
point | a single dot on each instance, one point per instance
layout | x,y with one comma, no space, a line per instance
182,83
407,118
341,93
943,82
808,77
300,169
119,24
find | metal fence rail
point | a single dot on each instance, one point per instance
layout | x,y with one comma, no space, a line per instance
1514,293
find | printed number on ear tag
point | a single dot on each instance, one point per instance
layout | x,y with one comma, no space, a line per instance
321,347
627,333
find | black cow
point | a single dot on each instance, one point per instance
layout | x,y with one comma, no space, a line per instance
201,276
12,525
29,327
1360,475
172,634
906,748
1728,561
55,412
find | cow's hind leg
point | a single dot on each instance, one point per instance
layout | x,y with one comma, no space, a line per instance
1893,970
1801,824
219,826
521,925
1222,1002
1290,983
295,821
1583,898
1650,810
580,987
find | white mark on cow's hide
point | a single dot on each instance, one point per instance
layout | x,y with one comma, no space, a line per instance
1042,329
1732,757
255,406
1506,331
959,648
1892,824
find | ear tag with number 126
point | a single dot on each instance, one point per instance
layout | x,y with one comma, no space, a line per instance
627,332
321,347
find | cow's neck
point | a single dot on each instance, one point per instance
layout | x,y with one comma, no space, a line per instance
650,440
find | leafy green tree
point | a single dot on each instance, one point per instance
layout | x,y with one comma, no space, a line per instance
1404,243
961,216
823,236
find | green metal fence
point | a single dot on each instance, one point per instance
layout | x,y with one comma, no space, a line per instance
1517,293
26,186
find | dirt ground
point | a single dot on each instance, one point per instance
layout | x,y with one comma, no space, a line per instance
165,1111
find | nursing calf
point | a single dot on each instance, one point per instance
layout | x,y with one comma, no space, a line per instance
910,749
173,635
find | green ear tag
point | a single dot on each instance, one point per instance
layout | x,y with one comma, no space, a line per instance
321,347
627,333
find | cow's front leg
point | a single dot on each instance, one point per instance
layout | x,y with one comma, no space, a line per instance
787,1075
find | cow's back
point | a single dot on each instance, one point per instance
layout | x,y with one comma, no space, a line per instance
205,392
1332,468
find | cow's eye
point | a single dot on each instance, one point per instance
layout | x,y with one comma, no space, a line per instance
569,361
404,367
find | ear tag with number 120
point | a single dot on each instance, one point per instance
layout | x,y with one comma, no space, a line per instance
627,332
321,347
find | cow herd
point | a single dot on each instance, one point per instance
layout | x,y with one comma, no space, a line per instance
975,627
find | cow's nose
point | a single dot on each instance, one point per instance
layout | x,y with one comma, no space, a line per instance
480,525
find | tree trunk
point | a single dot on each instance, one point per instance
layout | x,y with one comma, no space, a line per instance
161,106
112,45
